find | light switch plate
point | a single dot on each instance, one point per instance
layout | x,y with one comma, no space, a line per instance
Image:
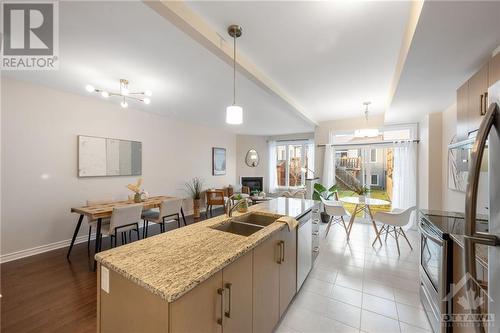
105,279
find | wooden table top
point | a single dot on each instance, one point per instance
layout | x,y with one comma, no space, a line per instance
105,210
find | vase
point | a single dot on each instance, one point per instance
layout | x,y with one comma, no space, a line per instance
137,198
243,208
196,208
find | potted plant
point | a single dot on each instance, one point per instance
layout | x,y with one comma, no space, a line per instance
242,207
194,189
321,191
362,191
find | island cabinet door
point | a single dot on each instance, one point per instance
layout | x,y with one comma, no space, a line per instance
266,286
288,267
237,284
200,309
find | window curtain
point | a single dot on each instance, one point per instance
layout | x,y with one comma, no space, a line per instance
328,178
404,192
273,185
310,159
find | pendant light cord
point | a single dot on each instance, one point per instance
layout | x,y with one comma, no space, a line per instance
234,70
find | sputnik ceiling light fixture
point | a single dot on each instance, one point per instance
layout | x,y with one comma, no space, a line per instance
366,132
124,93
234,113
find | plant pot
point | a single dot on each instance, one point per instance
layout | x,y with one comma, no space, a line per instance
196,208
137,198
243,208
324,217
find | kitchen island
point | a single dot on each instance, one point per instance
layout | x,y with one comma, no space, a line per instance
199,278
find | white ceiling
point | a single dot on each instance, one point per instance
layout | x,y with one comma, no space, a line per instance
329,56
101,42
452,40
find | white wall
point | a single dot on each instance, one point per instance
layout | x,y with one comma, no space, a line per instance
39,159
243,144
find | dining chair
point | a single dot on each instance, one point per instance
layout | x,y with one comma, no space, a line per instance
169,212
214,197
397,218
123,219
93,223
336,211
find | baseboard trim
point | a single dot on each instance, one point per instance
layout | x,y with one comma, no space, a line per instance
42,248
50,247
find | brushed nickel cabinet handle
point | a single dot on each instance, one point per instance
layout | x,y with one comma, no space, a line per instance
283,251
279,252
229,286
481,103
485,103
221,292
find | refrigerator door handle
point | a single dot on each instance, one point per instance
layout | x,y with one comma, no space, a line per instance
471,235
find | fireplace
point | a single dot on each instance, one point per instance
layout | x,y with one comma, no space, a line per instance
254,183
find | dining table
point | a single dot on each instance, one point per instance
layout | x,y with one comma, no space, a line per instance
363,204
102,211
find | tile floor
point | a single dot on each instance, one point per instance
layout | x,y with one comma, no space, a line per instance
355,287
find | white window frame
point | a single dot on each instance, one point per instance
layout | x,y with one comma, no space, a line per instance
376,155
304,144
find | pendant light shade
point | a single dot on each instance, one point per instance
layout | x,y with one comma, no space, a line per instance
234,113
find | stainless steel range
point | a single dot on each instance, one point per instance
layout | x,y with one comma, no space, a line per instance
435,271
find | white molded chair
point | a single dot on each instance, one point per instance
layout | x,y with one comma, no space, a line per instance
169,212
397,218
336,212
93,223
123,219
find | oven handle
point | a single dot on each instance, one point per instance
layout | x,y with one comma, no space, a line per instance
431,237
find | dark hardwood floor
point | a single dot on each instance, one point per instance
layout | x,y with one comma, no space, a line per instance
47,293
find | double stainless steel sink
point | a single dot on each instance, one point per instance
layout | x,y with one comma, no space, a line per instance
245,225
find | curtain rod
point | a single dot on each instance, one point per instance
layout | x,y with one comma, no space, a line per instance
370,143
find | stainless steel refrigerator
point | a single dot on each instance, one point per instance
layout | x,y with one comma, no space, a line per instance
487,136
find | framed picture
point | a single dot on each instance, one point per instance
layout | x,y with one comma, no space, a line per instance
218,161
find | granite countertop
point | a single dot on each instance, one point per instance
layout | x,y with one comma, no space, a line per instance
171,264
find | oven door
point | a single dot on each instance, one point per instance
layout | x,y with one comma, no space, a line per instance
433,277
431,256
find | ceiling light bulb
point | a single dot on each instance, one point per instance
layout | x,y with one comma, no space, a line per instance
146,100
105,94
90,88
124,104
234,115
148,93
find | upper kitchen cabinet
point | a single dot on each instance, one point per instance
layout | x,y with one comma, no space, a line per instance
477,96
462,107
494,69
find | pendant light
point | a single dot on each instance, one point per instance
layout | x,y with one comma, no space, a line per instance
234,113
366,132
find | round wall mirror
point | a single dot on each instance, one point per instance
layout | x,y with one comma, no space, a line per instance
252,158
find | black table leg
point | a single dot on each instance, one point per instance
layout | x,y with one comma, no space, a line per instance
183,217
97,240
77,229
